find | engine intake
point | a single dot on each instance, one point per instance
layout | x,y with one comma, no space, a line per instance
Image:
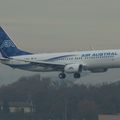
73,68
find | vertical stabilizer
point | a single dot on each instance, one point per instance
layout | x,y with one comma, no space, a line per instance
7,47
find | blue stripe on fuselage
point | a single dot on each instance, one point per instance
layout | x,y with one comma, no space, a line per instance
60,57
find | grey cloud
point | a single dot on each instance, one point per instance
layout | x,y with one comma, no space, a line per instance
60,25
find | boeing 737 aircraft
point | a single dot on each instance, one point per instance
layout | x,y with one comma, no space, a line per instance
68,62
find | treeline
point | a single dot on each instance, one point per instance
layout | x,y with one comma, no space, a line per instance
56,100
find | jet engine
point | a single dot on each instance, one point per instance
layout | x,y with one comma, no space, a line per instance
73,68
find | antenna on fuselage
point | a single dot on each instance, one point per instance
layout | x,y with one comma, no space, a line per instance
91,47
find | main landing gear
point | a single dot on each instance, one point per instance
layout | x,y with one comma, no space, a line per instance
63,75
77,75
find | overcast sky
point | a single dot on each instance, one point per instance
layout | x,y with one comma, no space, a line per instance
61,25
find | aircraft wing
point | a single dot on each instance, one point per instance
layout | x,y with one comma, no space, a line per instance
54,65
48,64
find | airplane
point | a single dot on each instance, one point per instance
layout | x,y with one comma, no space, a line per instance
95,61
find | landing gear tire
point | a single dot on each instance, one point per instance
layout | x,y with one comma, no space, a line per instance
77,75
62,75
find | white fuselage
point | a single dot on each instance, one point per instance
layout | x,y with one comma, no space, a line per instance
90,59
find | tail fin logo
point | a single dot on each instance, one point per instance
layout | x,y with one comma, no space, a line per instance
7,44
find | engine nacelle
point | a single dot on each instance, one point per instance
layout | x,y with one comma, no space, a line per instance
73,68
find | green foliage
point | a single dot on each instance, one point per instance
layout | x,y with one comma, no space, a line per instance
55,99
